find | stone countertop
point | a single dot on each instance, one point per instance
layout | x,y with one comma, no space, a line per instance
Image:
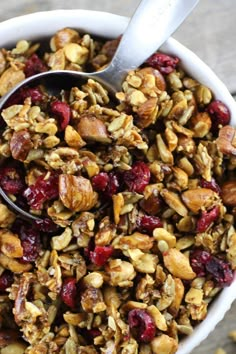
210,32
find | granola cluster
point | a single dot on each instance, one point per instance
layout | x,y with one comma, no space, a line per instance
136,198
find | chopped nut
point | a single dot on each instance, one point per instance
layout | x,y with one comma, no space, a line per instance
10,244
76,193
62,241
9,79
174,202
228,195
92,129
7,217
158,318
20,144
226,141
178,264
73,138
76,53
198,198
14,265
194,296
164,344
162,234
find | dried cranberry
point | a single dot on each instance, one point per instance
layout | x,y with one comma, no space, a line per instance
148,223
18,97
107,183
219,113
11,180
93,333
100,254
100,181
141,325
210,185
6,279
220,271
46,225
198,261
113,184
138,177
62,112
207,218
69,292
45,188
163,62
30,242
34,65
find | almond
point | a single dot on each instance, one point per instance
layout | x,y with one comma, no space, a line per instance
76,192
91,128
198,198
178,264
228,193
20,144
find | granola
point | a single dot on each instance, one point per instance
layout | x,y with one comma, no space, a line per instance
136,200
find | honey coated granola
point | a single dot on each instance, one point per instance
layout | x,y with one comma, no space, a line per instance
137,200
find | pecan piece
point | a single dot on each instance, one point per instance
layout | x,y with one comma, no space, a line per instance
226,141
228,193
20,144
91,128
76,192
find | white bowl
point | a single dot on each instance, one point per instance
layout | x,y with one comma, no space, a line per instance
38,25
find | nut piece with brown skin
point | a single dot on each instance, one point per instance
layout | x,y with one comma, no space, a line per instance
76,192
92,129
20,144
198,198
228,193
226,141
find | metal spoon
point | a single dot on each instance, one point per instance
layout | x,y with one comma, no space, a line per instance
151,25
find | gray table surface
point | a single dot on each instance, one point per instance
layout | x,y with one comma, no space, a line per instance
210,31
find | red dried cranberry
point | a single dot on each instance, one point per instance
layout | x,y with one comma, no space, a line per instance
207,218
18,97
34,65
148,223
219,113
210,185
100,255
141,325
11,180
46,225
112,185
6,279
107,183
45,188
100,181
163,62
30,242
93,333
198,261
62,112
138,177
220,271
69,292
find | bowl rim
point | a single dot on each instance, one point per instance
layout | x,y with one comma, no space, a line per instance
198,69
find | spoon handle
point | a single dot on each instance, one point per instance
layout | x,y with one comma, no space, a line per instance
151,25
